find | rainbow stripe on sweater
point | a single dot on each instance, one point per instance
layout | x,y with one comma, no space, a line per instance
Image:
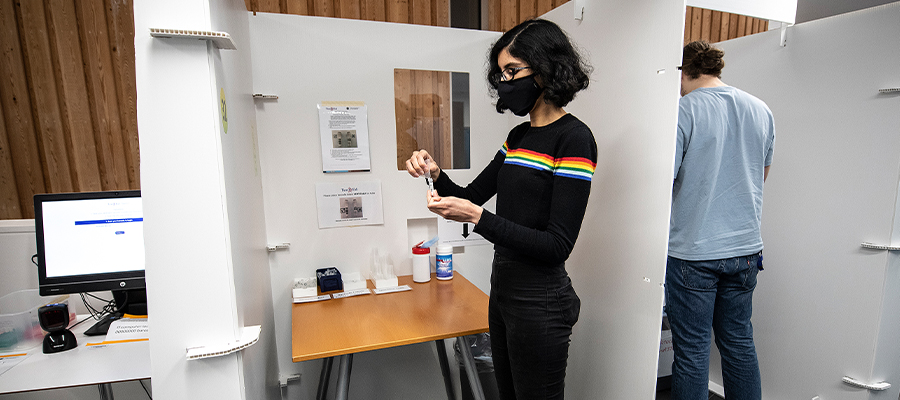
570,167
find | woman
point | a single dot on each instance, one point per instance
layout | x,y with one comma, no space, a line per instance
542,179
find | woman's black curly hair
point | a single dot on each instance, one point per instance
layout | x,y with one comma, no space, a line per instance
550,54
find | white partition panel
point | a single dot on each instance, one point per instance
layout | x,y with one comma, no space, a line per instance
618,265
204,232
243,181
825,307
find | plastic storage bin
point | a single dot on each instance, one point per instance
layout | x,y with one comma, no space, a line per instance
19,326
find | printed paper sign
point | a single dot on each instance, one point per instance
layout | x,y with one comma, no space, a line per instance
344,130
349,204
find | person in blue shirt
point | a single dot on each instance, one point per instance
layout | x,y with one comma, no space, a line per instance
723,151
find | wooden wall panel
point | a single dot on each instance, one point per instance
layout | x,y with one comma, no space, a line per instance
420,12
397,11
9,194
494,20
716,26
44,98
72,91
298,7
272,6
102,95
17,114
120,24
68,117
440,10
527,9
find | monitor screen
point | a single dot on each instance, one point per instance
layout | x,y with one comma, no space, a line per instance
89,241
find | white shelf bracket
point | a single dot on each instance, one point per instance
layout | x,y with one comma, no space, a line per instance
784,26
249,336
281,246
221,40
869,386
579,10
873,246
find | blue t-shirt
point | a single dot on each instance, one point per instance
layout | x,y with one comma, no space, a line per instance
725,140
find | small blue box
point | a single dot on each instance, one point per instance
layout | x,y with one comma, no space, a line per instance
329,279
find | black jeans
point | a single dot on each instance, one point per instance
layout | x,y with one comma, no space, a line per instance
531,314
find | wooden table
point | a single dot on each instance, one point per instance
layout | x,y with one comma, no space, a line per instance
431,311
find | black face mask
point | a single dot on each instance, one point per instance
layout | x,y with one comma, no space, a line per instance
519,95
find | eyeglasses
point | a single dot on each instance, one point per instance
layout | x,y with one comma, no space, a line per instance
509,74
678,67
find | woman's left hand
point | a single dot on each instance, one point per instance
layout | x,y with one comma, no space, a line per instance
454,208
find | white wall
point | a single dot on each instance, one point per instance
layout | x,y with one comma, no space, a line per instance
619,261
824,307
17,245
203,230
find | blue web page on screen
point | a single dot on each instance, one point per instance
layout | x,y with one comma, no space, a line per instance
93,236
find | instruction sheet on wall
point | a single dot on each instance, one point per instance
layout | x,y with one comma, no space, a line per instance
344,130
349,204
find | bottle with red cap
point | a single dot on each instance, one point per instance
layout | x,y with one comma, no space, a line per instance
421,267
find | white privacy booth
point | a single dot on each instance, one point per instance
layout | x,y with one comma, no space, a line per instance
825,307
618,263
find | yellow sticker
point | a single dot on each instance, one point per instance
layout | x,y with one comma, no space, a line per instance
223,109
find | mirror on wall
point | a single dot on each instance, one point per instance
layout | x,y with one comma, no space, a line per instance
432,113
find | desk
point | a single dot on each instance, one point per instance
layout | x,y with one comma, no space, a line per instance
81,366
431,311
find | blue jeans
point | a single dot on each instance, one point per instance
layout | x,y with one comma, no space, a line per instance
531,312
707,296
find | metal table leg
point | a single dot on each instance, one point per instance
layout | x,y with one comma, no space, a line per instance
471,372
445,368
343,384
106,392
324,378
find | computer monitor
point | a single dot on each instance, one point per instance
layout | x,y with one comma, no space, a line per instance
92,241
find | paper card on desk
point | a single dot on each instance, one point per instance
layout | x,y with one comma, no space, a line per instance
125,330
394,289
351,293
7,361
298,300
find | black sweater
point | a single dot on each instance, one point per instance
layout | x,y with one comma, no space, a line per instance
542,179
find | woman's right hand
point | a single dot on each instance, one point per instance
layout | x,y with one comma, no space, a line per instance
421,163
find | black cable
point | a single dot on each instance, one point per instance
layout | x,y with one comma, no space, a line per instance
145,389
108,308
33,261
